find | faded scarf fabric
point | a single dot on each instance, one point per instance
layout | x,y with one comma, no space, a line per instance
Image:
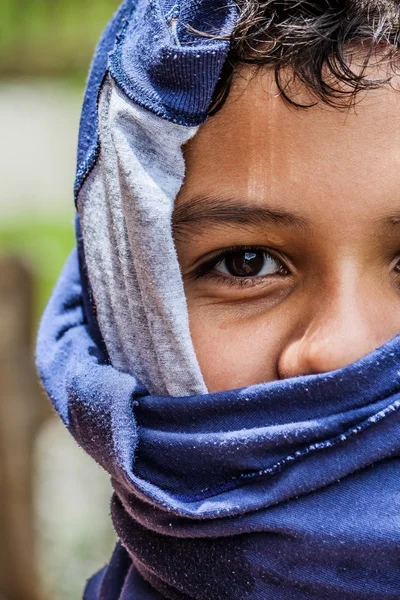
287,490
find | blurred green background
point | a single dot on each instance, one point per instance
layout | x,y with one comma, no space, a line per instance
53,37
45,51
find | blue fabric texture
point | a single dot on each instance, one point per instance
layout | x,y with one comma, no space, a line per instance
284,490
287,490
149,51
88,133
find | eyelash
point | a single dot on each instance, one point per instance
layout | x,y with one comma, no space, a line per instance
205,270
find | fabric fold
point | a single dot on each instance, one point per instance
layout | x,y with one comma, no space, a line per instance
282,492
125,208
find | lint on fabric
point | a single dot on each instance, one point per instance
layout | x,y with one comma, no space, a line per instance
287,490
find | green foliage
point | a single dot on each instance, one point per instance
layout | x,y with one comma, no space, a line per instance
50,36
44,244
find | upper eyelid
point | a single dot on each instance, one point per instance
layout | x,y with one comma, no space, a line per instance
220,254
224,253
267,252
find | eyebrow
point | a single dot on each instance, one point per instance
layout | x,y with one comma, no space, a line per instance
390,222
214,210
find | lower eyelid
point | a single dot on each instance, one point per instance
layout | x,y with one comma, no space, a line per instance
241,282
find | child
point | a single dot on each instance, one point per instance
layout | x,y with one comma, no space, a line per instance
226,348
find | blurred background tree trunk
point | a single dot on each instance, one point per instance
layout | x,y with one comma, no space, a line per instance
60,528
22,411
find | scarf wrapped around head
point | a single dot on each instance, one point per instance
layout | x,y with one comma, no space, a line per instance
287,490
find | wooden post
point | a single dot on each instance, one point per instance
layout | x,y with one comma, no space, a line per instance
21,414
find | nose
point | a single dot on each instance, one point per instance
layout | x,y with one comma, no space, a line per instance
340,330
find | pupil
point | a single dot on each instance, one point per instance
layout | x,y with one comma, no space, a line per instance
245,264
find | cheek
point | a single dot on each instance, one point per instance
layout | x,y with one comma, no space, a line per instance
233,351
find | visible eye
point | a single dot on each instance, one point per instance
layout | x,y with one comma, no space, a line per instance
249,263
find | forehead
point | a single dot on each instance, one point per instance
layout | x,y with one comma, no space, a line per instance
261,148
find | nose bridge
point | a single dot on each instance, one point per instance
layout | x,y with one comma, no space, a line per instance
341,303
338,327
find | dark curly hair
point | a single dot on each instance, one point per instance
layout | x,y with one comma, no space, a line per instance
312,40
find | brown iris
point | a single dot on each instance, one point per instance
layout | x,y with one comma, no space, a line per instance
245,264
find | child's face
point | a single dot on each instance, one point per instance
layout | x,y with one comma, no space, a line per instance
288,235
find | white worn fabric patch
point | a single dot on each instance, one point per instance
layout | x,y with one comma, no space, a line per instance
126,209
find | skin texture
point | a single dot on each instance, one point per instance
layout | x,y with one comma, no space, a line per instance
337,296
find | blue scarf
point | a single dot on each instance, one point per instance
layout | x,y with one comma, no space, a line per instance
286,490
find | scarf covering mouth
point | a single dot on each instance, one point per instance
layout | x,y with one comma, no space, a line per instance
287,490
